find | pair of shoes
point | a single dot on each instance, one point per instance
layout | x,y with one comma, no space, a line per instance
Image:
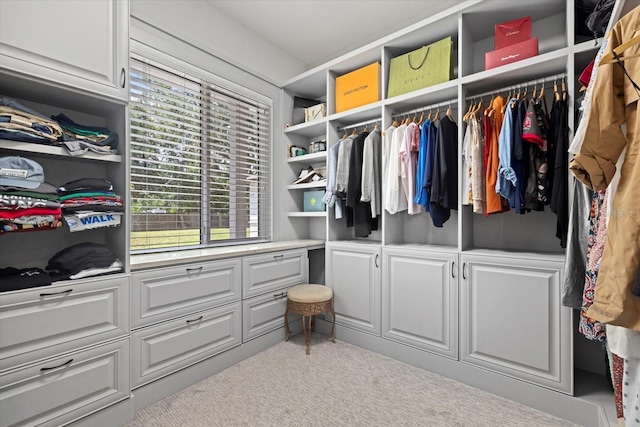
309,175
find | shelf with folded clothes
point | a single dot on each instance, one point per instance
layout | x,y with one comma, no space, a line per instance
28,147
33,127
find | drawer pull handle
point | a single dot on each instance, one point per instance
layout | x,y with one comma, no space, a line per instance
453,266
194,320
49,294
123,79
281,294
464,272
278,256
56,367
193,270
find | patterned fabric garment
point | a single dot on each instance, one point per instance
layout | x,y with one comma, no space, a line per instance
588,327
631,392
616,364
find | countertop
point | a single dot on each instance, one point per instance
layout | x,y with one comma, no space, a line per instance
166,259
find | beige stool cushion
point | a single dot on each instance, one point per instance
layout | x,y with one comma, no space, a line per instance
309,293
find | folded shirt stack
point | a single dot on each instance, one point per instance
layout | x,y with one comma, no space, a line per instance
13,279
27,203
78,138
90,203
20,123
83,260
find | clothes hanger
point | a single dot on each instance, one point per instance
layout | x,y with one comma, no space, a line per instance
395,123
556,95
449,113
467,115
421,118
564,91
354,132
609,58
437,116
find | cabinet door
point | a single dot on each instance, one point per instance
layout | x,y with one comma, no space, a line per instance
353,273
420,299
40,323
166,293
268,272
65,388
512,320
82,44
162,349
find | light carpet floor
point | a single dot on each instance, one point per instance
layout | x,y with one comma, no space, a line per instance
337,385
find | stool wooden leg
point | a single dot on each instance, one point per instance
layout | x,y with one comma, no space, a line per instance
333,326
307,331
286,325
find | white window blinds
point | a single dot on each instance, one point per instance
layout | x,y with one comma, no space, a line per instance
200,159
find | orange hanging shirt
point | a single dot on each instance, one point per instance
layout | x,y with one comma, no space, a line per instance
494,204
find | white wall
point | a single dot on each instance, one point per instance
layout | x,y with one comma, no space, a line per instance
200,24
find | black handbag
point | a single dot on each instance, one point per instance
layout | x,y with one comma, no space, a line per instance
598,20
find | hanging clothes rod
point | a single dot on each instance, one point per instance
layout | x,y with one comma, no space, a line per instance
427,108
530,83
357,125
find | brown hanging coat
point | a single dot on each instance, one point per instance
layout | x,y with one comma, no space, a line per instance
614,103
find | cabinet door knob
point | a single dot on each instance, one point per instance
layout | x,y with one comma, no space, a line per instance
49,294
56,367
123,78
194,320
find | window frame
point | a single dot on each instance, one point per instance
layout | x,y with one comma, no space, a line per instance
265,218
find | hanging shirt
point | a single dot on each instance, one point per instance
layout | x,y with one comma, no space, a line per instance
359,211
408,168
467,161
478,182
424,168
494,204
506,182
395,201
371,179
330,196
444,189
342,168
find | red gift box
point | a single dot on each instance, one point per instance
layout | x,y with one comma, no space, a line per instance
512,32
511,53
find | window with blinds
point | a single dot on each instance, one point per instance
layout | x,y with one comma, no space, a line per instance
200,161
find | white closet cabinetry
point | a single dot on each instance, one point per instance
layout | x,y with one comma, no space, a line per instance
353,273
80,44
511,318
498,318
420,298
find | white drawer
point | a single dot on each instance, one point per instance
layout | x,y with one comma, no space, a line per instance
166,293
63,389
165,348
268,272
263,313
47,321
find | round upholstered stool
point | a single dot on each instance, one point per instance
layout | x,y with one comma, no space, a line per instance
307,301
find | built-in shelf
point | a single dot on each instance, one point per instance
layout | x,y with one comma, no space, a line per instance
307,214
308,129
306,185
29,147
318,157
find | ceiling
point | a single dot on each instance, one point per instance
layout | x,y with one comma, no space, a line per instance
316,31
